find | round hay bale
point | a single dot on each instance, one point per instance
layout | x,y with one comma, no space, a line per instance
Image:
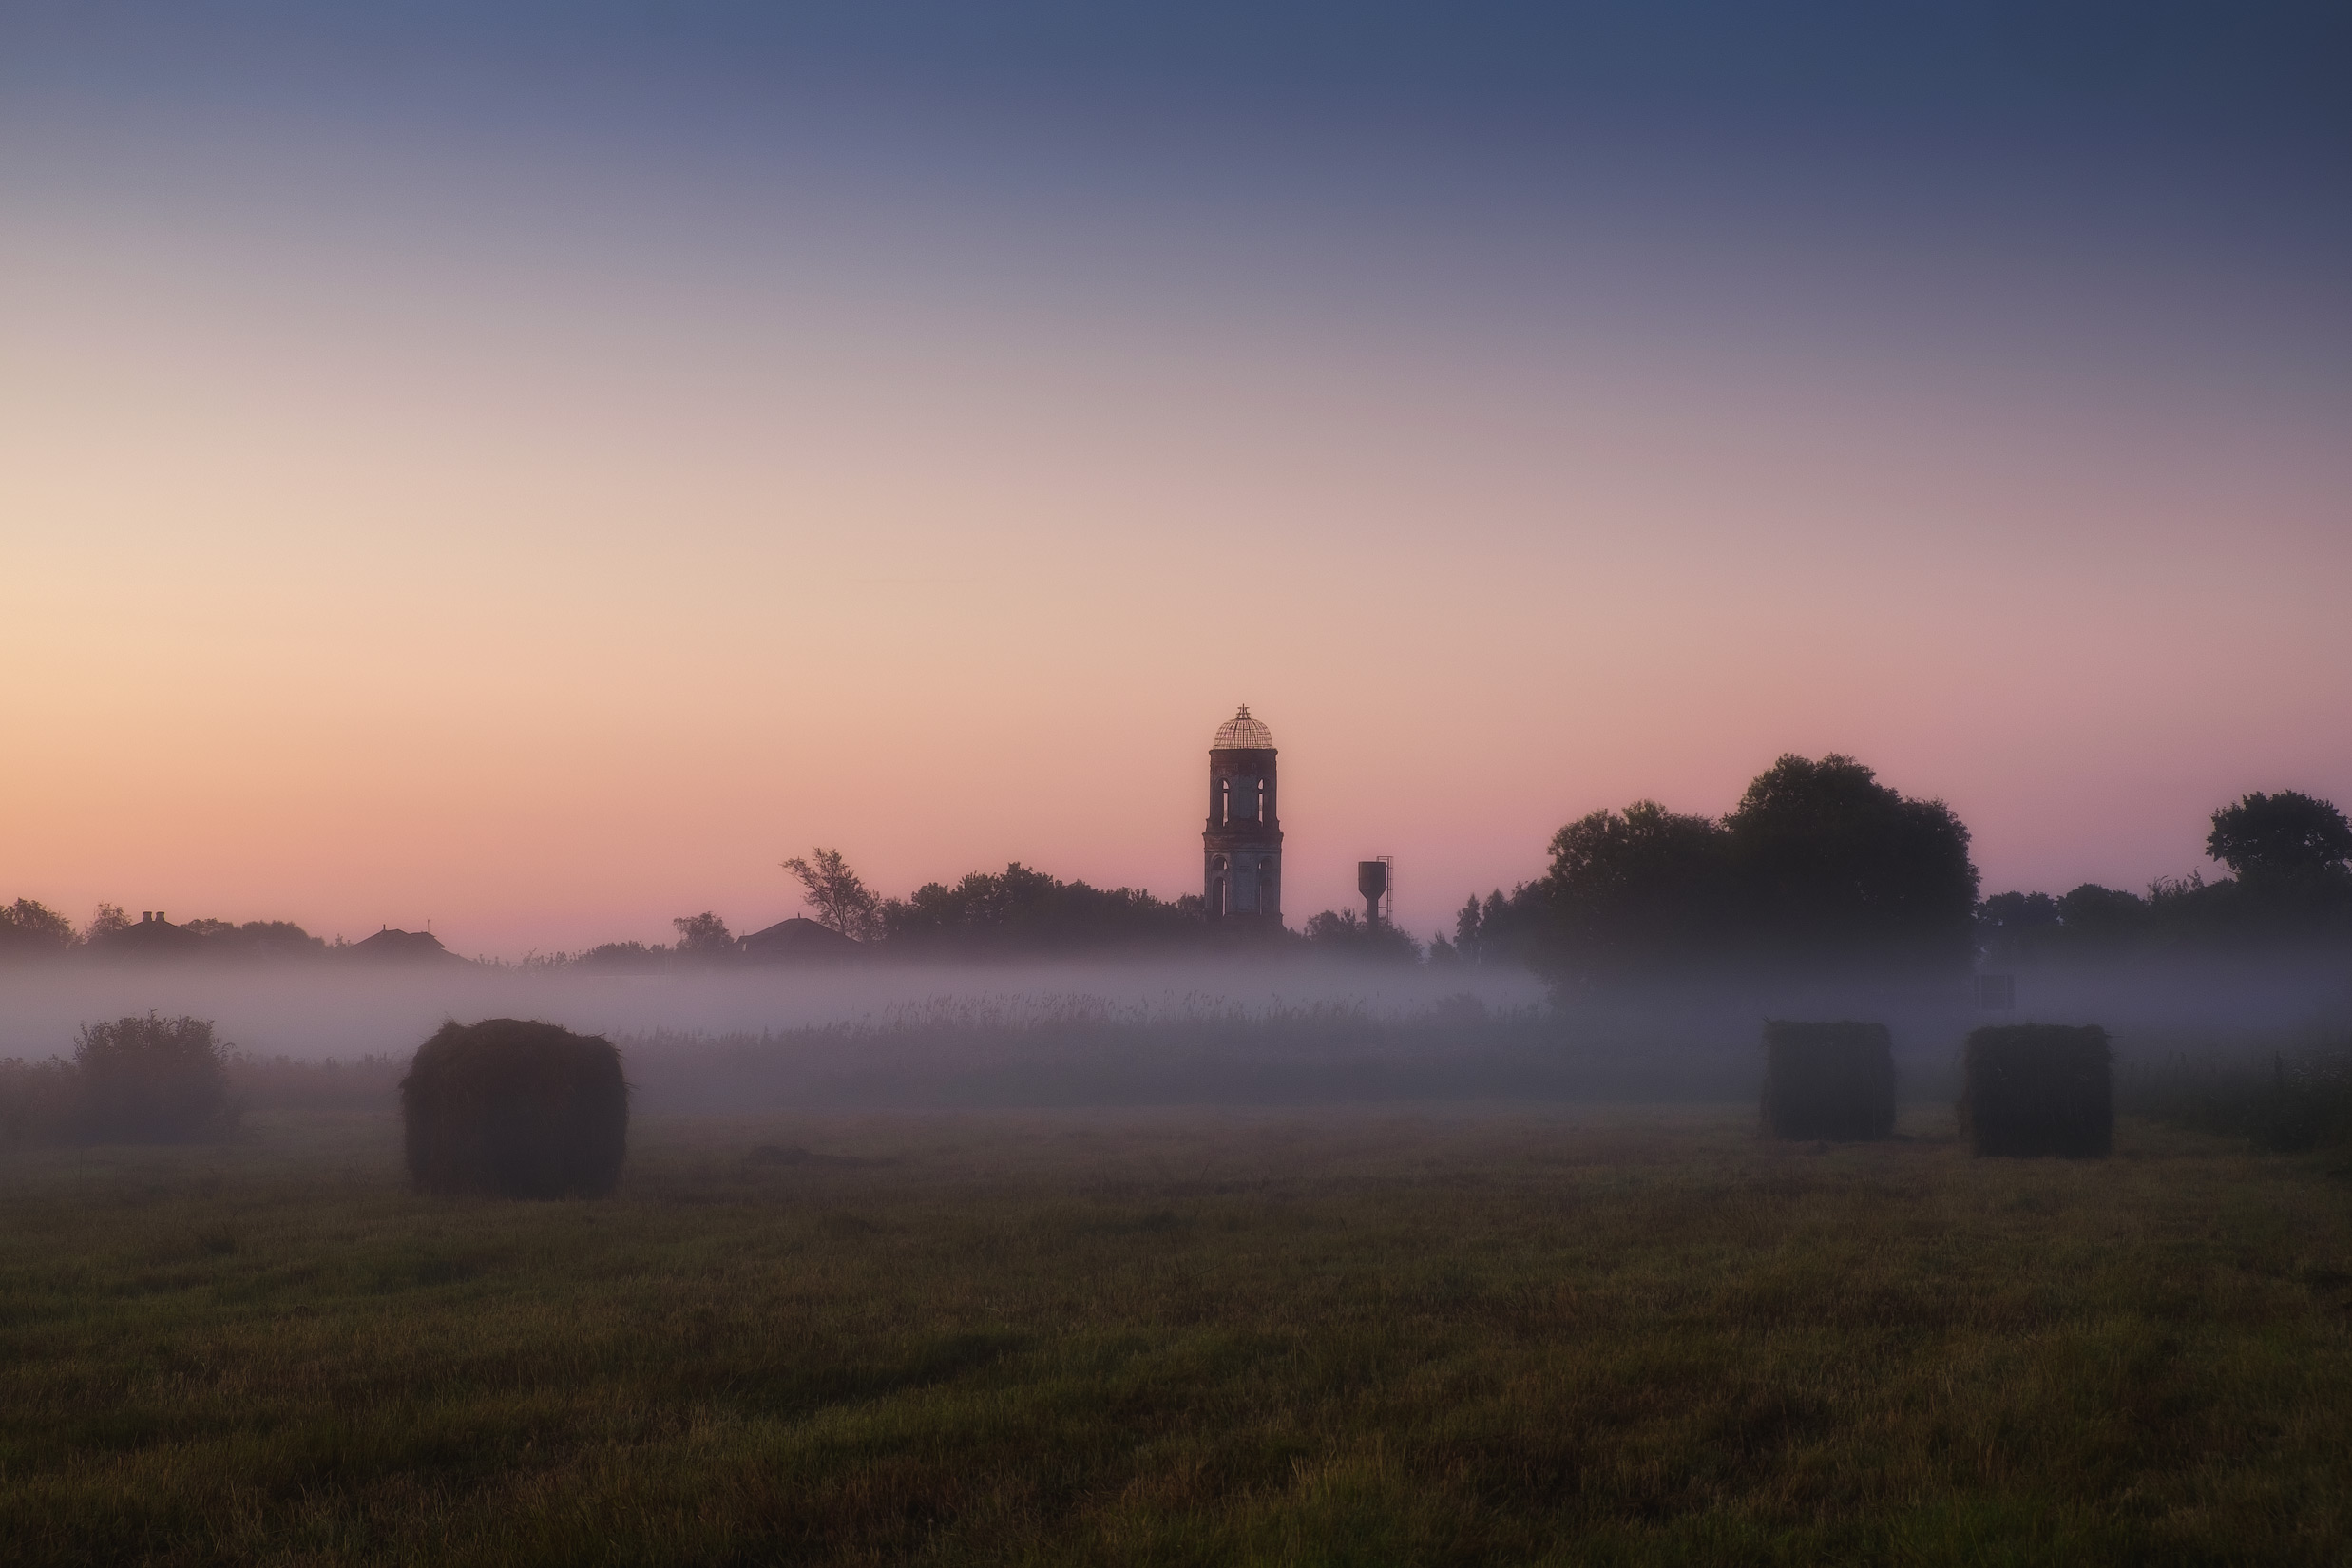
516,1109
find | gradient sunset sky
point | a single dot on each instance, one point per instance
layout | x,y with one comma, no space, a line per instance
533,467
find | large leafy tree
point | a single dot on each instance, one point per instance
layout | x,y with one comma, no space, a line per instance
704,938
26,927
1633,892
838,896
2276,838
1838,870
1820,869
2292,855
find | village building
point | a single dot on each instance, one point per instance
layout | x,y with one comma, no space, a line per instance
1241,850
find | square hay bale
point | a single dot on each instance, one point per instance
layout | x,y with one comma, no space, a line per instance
1829,1081
516,1109
2038,1089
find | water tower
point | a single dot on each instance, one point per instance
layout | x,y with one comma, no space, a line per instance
1376,881
1241,851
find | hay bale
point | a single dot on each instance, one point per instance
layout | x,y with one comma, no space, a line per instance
151,1080
2038,1089
516,1109
1829,1081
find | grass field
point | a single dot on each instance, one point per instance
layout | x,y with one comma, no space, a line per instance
1123,1337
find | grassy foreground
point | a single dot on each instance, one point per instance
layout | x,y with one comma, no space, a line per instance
1332,1337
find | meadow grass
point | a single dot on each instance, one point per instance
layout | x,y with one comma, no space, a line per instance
1477,1335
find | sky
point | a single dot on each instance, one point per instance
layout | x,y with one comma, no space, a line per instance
533,467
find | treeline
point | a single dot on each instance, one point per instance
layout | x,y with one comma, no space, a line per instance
32,929
1018,912
2289,891
1820,872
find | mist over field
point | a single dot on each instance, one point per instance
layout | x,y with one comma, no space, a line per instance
1264,1031
313,1013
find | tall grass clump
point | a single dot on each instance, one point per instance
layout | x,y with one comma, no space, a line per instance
2288,1103
368,1084
37,1101
1829,1081
1059,1051
515,1109
2038,1089
151,1080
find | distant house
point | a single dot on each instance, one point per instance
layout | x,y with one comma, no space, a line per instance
790,941
152,936
391,947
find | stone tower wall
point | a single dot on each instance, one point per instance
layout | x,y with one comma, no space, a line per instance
1241,850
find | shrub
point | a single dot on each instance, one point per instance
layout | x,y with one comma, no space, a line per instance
2038,1089
1829,1081
516,1109
151,1080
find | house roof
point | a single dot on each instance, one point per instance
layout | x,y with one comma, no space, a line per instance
793,938
410,947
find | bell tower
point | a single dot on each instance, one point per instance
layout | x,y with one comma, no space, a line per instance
1241,876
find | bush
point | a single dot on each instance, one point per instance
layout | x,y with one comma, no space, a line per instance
1829,1081
516,1109
2038,1089
151,1080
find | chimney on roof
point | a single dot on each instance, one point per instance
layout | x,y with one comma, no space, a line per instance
146,916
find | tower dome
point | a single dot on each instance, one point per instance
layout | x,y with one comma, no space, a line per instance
1243,734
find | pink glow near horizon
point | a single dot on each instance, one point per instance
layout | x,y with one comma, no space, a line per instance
359,590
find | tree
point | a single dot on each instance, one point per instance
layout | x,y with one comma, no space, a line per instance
1021,910
105,921
2105,914
841,901
2287,836
226,939
2013,927
1632,892
1346,931
1514,928
1837,871
625,957
29,927
704,938
2102,924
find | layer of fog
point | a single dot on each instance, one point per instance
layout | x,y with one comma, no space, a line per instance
343,1012
1233,1032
